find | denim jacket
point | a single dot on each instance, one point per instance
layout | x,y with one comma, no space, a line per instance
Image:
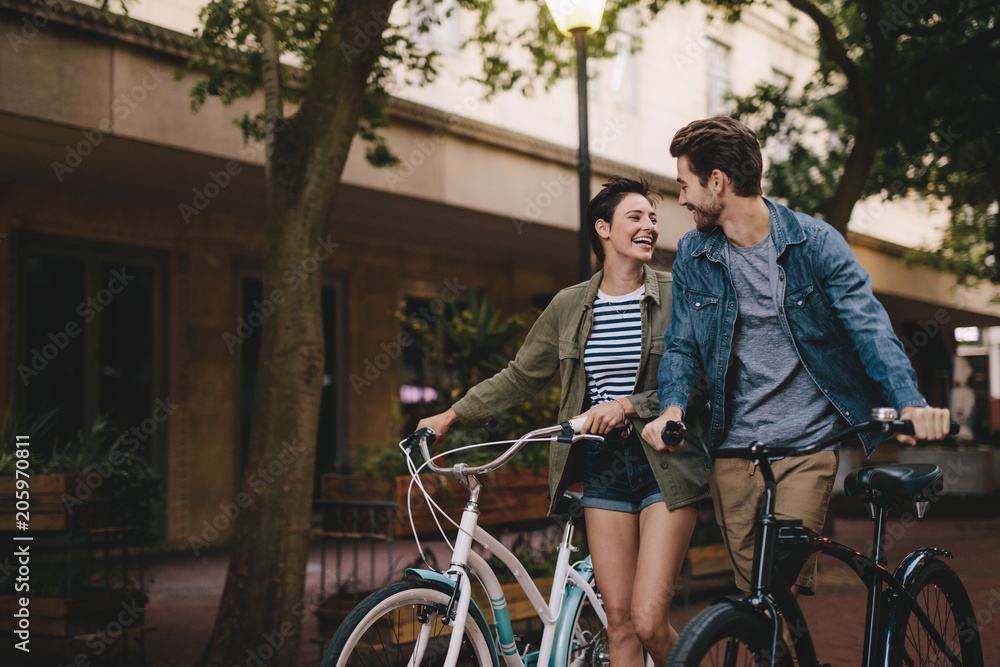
826,307
555,344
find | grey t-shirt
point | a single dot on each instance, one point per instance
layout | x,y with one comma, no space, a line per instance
770,396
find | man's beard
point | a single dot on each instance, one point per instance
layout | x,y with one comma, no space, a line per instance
706,219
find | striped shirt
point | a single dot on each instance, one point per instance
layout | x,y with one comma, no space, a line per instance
614,348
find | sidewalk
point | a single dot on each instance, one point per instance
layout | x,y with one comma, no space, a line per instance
185,592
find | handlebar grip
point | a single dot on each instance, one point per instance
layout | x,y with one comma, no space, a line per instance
906,427
671,434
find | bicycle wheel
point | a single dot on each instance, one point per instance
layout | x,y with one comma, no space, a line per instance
383,629
724,635
589,645
941,595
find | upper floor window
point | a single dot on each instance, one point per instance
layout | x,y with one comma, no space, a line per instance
718,77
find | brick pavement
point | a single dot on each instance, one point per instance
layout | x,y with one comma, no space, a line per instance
185,592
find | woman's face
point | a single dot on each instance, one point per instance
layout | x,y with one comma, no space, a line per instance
632,233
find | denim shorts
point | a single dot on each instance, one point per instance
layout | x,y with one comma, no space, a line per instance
617,475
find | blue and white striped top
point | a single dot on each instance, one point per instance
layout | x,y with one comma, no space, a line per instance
614,348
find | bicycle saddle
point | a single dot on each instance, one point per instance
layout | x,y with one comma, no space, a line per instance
898,480
569,506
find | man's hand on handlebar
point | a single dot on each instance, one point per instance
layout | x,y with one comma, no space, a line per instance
928,424
653,430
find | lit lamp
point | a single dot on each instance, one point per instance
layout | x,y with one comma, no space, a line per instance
577,18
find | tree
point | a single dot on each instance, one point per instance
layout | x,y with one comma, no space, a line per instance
349,55
906,92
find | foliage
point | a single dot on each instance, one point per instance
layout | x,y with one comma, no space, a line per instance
97,452
457,352
906,94
15,423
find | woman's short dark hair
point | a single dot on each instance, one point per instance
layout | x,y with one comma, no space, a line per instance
603,205
725,144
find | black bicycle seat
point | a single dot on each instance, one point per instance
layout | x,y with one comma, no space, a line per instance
569,506
897,480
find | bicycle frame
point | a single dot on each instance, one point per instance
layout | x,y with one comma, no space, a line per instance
551,613
776,538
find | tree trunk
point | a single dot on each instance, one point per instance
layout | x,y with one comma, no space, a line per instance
852,182
263,604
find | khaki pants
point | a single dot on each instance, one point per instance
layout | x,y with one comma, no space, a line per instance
804,487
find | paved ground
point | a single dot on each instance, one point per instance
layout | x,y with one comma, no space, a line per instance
185,592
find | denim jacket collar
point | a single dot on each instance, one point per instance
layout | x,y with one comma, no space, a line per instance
785,230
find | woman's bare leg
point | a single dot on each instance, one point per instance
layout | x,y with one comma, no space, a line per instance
613,538
664,536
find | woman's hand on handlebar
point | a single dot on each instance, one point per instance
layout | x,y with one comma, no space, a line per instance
653,430
439,423
928,424
603,417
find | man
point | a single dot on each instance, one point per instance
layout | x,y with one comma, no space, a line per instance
773,310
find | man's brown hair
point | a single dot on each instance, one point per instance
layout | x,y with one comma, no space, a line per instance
724,144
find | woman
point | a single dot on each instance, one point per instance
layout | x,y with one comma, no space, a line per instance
605,338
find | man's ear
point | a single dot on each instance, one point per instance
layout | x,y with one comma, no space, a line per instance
718,181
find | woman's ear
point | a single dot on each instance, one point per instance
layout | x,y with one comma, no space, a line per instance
603,228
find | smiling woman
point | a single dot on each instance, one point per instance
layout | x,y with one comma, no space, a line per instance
604,338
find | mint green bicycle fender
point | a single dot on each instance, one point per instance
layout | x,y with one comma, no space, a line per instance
431,575
564,626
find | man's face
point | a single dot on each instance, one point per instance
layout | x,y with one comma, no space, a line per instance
695,197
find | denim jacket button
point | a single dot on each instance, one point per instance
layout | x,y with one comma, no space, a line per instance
697,304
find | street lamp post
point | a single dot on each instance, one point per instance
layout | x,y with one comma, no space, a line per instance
577,18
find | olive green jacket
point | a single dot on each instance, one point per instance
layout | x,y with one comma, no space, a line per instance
556,342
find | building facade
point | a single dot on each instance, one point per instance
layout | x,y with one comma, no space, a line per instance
131,235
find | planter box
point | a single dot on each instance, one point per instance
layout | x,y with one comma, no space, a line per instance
507,497
47,510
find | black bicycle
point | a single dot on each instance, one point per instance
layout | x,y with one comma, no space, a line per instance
919,614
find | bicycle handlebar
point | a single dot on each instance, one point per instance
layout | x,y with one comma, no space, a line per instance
568,431
883,419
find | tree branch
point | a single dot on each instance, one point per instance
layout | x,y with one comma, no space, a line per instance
264,28
828,33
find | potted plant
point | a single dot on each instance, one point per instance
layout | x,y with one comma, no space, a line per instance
456,352
90,504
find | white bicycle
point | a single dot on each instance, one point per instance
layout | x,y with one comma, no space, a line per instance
411,622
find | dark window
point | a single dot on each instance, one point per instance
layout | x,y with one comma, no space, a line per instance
90,342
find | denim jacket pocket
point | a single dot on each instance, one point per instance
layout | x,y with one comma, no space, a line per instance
701,300
808,316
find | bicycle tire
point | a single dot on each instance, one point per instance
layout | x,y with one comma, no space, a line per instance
381,630
726,635
940,593
588,647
